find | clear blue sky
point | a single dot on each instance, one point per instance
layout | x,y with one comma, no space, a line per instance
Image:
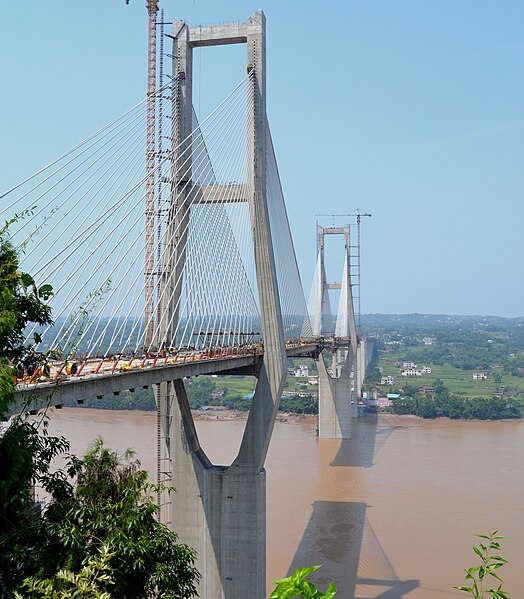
411,110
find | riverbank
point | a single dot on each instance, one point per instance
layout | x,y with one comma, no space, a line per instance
292,418
219,414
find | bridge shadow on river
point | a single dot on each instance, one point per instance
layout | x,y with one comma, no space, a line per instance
339,534
366,441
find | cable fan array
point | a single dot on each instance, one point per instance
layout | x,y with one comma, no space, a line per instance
295,316
82,221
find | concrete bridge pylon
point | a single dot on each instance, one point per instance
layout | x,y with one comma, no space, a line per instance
221,510
338,384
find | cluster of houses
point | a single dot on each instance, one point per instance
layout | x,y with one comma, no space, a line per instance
299,371
388,342
409,368
303,372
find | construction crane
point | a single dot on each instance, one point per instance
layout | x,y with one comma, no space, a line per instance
152,9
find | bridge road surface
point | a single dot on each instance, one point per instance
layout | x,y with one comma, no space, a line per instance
97,378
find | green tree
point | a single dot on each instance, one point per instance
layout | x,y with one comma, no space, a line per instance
373,376
111,508
70,585
199,392
298,405
21,303
25,453
440,387
410,390
426,408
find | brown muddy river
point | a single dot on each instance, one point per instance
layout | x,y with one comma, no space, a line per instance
389,514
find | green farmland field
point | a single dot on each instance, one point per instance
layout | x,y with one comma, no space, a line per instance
458,381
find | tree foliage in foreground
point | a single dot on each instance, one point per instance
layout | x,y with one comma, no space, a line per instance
21,303
25,453
100,535
109,512
98,538
85,584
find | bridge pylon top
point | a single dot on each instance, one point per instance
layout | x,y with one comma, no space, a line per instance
199,36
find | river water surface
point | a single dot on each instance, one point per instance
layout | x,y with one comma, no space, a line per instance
389,513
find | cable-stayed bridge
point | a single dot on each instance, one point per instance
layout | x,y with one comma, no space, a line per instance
170,256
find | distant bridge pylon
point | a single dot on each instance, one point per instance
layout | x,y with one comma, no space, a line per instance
338,381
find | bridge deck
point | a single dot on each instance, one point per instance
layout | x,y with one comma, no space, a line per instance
97,377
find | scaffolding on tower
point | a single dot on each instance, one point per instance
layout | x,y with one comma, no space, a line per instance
152,9
163,475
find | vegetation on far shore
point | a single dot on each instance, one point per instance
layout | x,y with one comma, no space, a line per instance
467,367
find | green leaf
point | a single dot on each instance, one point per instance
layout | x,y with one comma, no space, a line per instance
495,575
300,574
45,292
478,552
26,280
331,591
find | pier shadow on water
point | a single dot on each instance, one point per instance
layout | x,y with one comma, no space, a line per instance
340,537
366,441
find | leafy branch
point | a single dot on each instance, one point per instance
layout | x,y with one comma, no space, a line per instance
487,550
296,585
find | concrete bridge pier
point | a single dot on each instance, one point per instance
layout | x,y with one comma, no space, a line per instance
221,510
335,410
365,354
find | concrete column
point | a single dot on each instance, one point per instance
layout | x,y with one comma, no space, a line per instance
218,510
181,185
361,366
334,400
365,353
337,395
